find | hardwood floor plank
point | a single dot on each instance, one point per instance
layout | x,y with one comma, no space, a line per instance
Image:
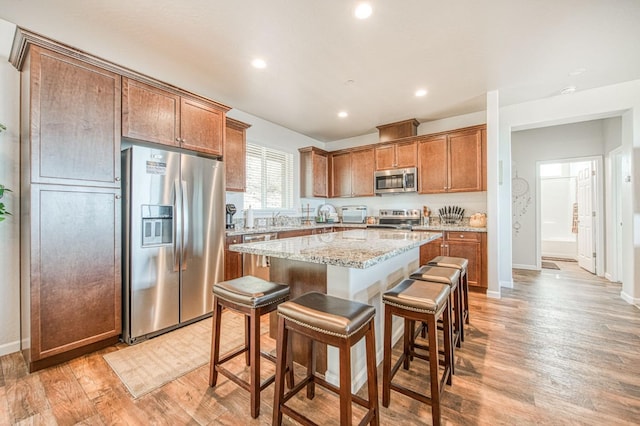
559,348
26,398
68,401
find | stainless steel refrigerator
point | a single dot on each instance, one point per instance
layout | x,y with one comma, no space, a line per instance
173,229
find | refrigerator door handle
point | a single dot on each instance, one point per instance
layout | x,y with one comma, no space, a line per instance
185,228
177,201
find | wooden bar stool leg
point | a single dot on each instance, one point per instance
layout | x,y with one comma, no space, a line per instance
433,367
372,376
409,329
458,322
247,339
447,341
466,297
345,382
278,393
311,368
254,356
386,363
215,343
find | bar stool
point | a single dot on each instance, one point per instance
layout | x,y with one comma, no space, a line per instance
451,277
462,265
252,297
336,322
423,301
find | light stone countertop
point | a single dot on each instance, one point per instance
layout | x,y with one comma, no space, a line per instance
460,228
358,248
431,228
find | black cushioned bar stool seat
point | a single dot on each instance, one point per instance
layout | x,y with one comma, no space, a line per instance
336,322
462,265
451,277
416,300
253,297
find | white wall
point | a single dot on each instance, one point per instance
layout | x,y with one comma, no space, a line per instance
529,147
9,176
615,100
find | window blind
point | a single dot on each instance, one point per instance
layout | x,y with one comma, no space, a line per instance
269,178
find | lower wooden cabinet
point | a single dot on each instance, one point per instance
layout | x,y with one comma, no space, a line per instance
71,272
295,233
232,259
469,245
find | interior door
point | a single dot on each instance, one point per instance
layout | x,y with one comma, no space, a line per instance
586,186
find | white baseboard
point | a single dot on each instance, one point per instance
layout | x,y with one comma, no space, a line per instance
506,284
493,294
9,348
527,267
631,300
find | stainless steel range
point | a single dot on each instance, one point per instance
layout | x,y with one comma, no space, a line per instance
397,219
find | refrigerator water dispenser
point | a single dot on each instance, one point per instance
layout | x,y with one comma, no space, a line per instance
157,225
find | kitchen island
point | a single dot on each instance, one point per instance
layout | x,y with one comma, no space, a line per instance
357,265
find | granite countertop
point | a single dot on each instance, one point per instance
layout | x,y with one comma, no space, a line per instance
463,228
262,230
247,231
352,249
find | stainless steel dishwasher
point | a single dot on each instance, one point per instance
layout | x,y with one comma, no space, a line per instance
255,264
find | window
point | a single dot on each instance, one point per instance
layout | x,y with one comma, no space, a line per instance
269,178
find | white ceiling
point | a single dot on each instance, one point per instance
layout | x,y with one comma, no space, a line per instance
458,50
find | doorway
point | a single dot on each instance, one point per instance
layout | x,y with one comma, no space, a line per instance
570,206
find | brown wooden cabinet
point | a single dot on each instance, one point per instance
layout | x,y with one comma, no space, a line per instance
352,173
70,206
235,152
294,233
314,172
341,174
325,230
232,259
155,115
469,245
452,162
396,155
362,167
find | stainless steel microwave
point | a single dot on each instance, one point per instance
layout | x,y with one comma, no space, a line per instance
396,181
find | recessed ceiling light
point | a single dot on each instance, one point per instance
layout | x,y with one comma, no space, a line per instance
567,90
421,92
363,10
259,63
343,114
577,71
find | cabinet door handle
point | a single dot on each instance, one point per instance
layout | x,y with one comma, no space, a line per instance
177,139
117,179
461,236
117,197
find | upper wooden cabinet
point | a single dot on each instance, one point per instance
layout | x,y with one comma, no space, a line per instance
352,173
396,155
453,162
70,214
362,168
398,130
155,115
235,152
75,119
314,172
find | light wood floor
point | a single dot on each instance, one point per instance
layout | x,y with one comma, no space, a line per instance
561,347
